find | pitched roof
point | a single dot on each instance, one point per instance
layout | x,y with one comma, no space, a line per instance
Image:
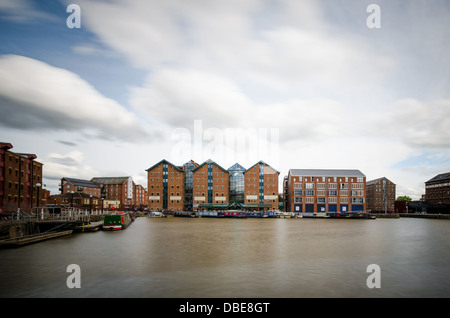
326,172
164,161
263,163
371,182
440,177
237,167
211,161
110,180
82,183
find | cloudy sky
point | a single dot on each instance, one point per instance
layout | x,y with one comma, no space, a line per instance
298,84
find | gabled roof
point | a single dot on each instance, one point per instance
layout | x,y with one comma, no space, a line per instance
262,163
237,167
440,177
326,173
110,180
211,161
82,183
165,161
371,182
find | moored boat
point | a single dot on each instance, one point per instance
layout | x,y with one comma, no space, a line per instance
117,221
234,214
350,215
209,214
155,214
185,214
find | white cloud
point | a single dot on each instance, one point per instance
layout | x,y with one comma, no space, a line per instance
37,96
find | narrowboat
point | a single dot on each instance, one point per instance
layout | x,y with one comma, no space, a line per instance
255,214
350,215
155,214
209,214
117,221
234,214
185,214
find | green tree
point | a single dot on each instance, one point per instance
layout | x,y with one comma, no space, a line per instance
404,198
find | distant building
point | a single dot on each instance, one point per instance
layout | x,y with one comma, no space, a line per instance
165,187
20,180
69,185
325,190
437,189
118,188
380,195
140,197
261,186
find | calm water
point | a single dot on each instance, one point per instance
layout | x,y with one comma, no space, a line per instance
181,257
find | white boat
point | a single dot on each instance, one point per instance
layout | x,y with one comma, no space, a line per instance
155,214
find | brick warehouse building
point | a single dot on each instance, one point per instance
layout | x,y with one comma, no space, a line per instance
380,194
165,187
20,180
211,185
437,189
72,185
118,188
261,186
323,190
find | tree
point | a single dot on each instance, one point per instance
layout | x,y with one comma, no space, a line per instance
404,198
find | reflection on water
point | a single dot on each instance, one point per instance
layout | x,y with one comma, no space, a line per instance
183,257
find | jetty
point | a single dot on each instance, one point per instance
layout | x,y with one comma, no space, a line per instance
28,239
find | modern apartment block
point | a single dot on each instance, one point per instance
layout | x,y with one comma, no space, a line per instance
20,180
325,190
380,194
165,187
437,189
261,186
211,185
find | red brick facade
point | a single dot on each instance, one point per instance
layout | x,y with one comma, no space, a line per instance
20,180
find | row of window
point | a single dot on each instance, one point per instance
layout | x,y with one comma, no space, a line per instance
329,179
354,193
310,185
324,200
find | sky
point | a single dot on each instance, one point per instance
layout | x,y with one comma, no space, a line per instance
296,84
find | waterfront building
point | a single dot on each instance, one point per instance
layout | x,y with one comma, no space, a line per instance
118,188
188,168
72,185
140,197
165,187
380,194
20,180
437,189
261,186
325,190
237,183
211,186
